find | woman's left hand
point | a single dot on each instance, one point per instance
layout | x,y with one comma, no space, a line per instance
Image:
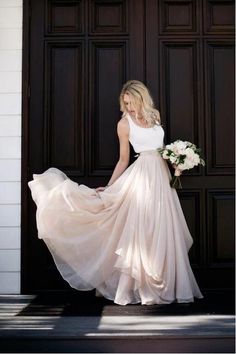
177,171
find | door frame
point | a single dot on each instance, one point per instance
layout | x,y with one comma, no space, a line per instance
24,142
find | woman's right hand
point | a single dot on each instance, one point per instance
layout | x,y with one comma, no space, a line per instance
100,189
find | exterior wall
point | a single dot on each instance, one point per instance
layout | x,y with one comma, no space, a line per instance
10,144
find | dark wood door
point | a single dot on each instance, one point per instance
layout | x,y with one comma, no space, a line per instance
80,54
190,69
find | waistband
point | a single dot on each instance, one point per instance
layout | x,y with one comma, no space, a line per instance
148,152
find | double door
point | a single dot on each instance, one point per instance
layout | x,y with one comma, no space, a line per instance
78,54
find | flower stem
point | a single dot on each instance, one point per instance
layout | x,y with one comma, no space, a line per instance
175,182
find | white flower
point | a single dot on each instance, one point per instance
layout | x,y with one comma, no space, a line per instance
189,152
192,156
186,165
175,150
196,159
165,154
173,158
180,147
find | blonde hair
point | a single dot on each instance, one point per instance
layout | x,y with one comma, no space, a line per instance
139,94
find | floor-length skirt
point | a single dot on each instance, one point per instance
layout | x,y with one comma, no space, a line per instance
130,242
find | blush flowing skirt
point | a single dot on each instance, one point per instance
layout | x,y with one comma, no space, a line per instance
130,242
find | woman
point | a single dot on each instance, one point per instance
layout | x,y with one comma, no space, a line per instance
128,240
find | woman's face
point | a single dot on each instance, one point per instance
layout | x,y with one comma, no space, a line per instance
129,105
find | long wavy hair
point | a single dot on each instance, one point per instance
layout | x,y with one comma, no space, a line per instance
140,98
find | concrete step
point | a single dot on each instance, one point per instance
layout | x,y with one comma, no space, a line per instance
29,325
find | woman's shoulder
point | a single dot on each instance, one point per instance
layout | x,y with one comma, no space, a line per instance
123,124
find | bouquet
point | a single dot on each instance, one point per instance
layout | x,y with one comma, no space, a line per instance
183,155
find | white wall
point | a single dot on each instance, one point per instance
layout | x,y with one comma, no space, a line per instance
10,144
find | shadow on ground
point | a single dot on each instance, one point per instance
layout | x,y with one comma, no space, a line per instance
77,303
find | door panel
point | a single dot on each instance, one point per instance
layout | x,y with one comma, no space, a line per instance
64,106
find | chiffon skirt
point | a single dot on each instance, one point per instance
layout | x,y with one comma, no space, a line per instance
130,242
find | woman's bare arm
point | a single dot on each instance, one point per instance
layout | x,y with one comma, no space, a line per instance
123,162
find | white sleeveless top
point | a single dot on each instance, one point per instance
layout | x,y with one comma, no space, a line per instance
143,139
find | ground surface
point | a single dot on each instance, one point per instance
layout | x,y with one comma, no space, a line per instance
79,321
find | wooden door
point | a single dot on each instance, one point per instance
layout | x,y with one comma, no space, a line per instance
190,69
80,54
